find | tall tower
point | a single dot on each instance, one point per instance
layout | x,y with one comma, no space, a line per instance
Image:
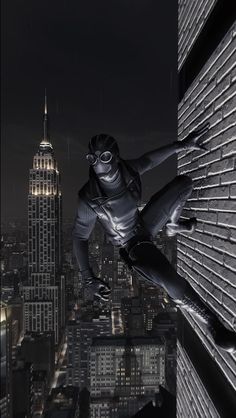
206,375
6,361
42,301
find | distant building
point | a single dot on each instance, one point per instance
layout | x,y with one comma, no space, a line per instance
38,349
73,353
40,391
69,289
62,403
96,242
165,326
164,406
154,300
6,362
122,285
108,263
15,306
7,293
124,374
16,261
22,390
79,338
44,293
167,245
133,316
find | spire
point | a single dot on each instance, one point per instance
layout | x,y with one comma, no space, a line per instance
45,103
45,145
45,118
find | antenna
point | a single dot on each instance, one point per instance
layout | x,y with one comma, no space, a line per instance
45,103
45,121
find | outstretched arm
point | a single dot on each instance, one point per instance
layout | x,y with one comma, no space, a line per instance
154,158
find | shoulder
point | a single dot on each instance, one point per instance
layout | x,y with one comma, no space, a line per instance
132,165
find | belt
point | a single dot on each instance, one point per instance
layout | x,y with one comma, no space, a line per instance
137,240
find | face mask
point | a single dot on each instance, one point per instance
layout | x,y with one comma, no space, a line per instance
103,156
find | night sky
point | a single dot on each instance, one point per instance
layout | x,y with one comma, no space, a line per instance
108,66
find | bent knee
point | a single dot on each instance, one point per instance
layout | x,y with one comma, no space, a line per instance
184,181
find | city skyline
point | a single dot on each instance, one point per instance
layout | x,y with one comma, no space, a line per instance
52,346
147,73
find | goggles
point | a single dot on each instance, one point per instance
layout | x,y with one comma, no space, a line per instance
105,158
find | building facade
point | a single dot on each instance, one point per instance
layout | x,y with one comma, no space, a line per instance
6,362
22,390
206,376
125,373
43,298
62,402
79,339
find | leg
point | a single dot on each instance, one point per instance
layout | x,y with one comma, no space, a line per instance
167,204
151,264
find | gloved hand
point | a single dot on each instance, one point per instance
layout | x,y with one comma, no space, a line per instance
99,288
192,141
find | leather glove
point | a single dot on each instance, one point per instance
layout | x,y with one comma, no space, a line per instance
192,141
100,288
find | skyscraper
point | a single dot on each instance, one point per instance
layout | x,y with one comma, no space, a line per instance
80,333
42,295
6,361
206,375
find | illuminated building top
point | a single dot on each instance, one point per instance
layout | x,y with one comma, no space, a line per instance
45,146
44,177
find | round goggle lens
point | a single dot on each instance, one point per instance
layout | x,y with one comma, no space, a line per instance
91,158
106,157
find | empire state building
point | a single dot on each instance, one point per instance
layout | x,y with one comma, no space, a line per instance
43,294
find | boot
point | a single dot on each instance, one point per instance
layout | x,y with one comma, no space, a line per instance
182,226
223,337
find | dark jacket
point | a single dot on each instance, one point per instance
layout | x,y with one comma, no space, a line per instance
119,213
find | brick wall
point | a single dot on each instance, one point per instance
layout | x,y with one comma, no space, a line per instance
207,258
192,17
188,404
